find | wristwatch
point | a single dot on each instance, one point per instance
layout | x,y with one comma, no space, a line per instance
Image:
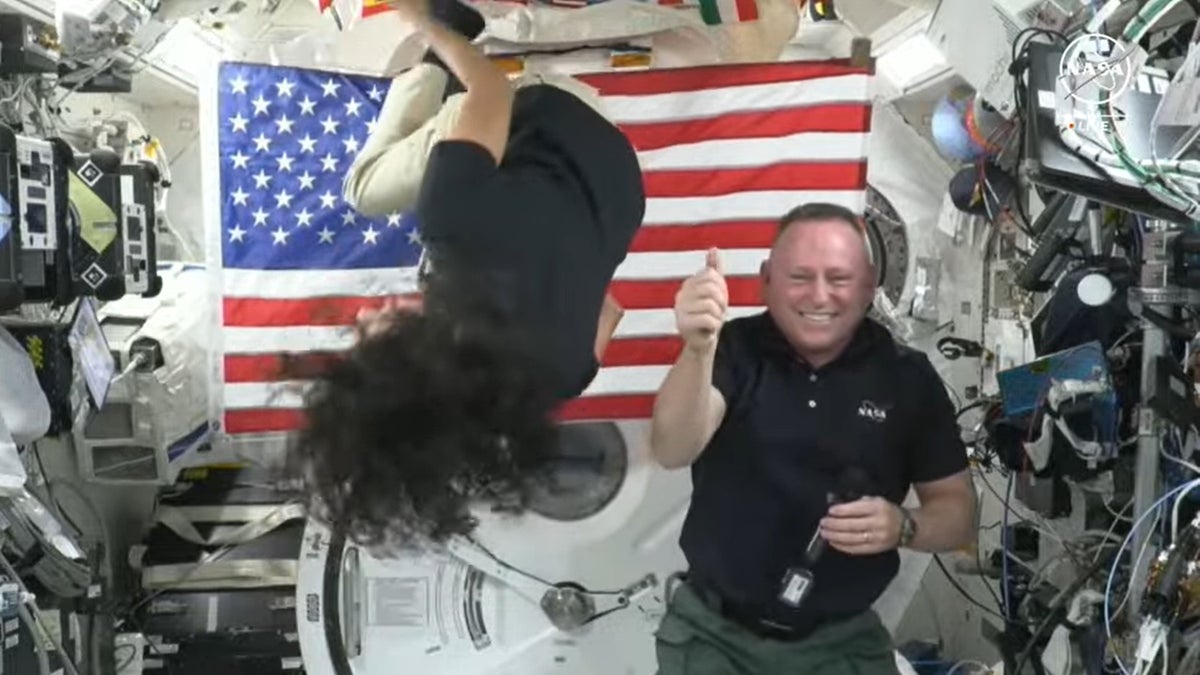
908,527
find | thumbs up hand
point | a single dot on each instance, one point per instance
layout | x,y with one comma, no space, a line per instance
700,305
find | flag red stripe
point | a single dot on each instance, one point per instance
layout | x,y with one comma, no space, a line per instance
660,293
705,182
700,78
642,352
250,368
845,118
632,406
263,420
742,234
747,10
277,313
268,420
247,368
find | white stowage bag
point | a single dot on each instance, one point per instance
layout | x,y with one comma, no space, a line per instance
679,37
171,402
23,404
24,411
384,45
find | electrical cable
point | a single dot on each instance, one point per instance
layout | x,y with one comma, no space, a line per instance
1153,131
963,592
37,626
1005,584
979,558
1036,522
77,490
1020,94
1137,525
955,348
1054,608
1107,538
1137,562
1148,174
133,652
956,668
43,659
1176,506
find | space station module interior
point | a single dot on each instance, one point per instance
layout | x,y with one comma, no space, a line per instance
1031,203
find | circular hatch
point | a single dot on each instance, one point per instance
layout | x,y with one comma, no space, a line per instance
585,474
888,237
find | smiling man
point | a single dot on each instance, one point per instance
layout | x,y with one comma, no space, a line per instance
778,415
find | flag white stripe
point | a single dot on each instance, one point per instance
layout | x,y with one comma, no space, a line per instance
728,10
286,284
613,381
765,205
682,264
744,153
618,380
289,339
689,105
636,323
271,395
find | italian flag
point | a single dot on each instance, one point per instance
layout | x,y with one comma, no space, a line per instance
716,12
373,7
369,7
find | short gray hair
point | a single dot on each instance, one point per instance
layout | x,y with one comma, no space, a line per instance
824,212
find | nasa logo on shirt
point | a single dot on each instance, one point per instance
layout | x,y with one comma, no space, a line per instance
872,411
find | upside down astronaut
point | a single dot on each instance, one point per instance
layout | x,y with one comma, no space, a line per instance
527,200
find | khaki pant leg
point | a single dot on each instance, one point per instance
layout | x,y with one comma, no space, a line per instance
387,173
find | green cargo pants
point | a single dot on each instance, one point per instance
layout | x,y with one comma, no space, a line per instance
693,639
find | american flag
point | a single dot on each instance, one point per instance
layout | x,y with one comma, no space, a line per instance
725,150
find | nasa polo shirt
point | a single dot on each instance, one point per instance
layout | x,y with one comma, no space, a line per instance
790,431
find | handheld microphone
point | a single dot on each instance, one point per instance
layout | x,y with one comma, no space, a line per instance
853,484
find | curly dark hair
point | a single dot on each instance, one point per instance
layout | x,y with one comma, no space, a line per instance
410,426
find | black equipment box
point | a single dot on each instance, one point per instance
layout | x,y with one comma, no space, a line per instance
239,654
97,244
42,168
27,46
164,547
139,223
247,627
12,286
230,485
18,652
